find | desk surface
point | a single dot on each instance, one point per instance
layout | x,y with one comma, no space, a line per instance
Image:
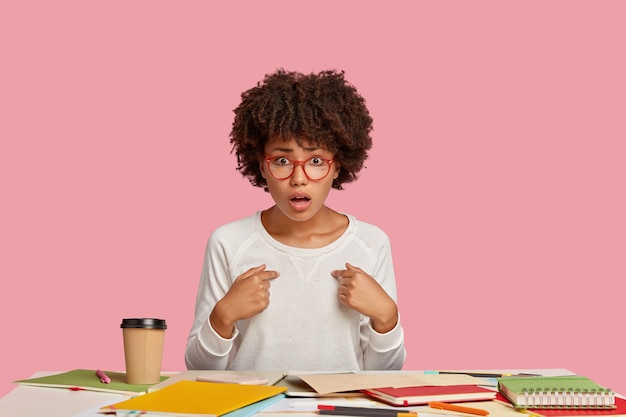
29,401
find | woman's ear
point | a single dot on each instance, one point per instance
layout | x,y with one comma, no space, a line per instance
337,169
262,168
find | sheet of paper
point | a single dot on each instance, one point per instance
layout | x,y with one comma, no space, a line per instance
309,405
331,383
304,405
93,411
495,409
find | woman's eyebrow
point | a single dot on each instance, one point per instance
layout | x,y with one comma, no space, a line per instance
311,149
281,149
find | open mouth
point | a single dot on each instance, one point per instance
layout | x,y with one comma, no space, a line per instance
300,200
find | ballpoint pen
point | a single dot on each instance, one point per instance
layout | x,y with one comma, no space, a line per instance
479,374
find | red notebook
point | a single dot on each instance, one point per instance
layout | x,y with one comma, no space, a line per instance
423,395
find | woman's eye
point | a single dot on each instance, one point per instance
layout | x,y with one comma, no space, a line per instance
282,161
316,161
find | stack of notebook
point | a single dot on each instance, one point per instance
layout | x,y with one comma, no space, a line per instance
198,399
560,396
575,392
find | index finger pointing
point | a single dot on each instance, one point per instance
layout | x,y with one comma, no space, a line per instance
267,275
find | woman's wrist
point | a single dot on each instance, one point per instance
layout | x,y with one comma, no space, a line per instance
386,322
220,323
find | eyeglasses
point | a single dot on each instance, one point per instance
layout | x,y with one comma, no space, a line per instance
315,168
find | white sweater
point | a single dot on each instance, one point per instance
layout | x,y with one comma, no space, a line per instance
304,328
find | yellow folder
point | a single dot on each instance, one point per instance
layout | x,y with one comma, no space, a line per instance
195,398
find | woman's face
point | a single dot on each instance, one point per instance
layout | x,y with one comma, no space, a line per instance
299,178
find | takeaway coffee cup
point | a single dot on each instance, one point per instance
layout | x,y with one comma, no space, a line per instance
143,349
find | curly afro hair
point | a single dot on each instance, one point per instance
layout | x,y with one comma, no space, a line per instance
315,109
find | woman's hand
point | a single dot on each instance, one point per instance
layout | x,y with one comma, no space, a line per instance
361,291
248,296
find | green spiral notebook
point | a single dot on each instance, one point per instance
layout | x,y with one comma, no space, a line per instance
573,392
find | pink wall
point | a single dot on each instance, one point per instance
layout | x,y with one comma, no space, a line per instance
497,171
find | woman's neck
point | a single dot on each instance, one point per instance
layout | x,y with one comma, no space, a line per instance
320,230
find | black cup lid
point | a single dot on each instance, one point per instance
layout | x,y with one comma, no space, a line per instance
143,324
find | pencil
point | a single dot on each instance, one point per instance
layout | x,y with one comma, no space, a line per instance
459,408
362,411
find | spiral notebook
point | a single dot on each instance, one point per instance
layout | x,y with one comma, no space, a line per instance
573,392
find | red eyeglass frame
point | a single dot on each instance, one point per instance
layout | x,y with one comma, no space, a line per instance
269,159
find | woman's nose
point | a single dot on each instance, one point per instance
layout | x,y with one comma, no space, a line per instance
299,175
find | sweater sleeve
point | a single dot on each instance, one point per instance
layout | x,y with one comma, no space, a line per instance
206,349
383,351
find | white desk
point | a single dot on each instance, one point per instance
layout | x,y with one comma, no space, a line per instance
28,401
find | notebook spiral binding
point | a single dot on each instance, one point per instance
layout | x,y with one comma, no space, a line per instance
569,398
